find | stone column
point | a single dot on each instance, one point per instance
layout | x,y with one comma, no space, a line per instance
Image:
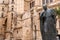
36,21
1,29
26,24
19,6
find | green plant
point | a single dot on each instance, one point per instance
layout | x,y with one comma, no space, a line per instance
57,11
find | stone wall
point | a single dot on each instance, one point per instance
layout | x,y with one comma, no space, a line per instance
26,26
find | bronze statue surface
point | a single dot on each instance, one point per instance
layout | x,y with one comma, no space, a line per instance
48,24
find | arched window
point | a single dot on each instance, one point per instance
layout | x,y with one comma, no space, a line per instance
43,1
12,8
1,15
32,4
2,9
12,1
3,2
12,15
46,1
17,31
51,1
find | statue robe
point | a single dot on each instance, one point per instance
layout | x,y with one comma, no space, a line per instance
48,25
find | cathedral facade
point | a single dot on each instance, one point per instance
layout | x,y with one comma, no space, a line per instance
20,19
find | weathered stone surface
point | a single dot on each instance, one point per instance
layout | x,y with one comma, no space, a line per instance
23,29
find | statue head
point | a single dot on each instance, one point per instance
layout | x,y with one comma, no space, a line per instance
45,7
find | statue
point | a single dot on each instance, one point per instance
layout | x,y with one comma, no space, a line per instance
48,24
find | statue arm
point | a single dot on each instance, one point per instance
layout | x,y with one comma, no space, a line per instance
54,16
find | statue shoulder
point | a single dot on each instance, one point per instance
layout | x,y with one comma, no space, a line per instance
50,10
41,13
53,11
